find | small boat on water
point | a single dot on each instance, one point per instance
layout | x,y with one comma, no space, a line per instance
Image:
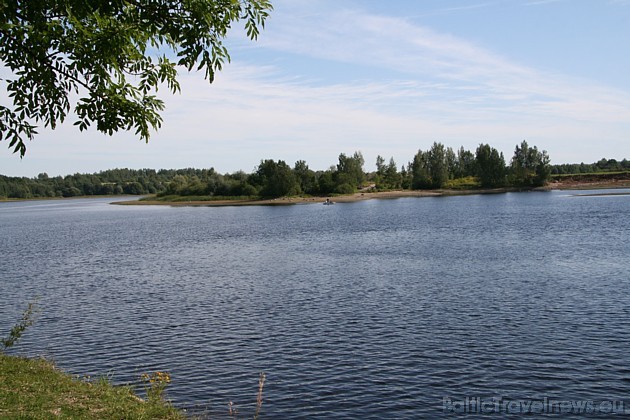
328,202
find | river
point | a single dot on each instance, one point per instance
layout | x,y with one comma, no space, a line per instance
402,308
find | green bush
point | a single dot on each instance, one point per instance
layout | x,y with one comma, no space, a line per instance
344,189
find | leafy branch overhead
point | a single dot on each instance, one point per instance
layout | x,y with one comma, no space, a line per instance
111,55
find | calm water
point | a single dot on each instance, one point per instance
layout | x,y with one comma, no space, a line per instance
377,309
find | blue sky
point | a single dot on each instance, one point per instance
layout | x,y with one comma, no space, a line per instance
389,78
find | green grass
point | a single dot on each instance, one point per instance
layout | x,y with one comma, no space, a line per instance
468,183
34,388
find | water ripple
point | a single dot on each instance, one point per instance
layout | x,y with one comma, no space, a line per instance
370,310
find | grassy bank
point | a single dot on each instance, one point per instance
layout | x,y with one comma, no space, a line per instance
34,388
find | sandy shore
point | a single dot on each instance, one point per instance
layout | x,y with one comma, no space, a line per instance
360,196
287,200
594,185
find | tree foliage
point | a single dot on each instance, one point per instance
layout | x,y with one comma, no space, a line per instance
490,166
306,178
392,179
349,175
529,167
275,179
387,176
434,167
438,167
111,55
603,165
465,164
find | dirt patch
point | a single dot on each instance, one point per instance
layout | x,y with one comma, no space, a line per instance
591,181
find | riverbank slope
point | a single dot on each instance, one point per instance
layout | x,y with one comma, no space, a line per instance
35,388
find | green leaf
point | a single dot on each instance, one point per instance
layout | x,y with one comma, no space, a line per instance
98,50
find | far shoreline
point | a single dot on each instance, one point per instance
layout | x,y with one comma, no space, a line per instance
131,200
382,195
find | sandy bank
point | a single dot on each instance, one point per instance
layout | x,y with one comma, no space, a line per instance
285,200
360,196
566,184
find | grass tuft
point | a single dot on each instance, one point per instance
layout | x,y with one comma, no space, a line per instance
34,388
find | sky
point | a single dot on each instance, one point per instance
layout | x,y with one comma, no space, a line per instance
385,78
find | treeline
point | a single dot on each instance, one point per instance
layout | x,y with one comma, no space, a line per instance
434,168
603,165
111,182
430,169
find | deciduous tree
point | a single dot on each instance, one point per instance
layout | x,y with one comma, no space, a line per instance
529,166
104,60
420,172
490,166
349,173
276,179
305,177
438,166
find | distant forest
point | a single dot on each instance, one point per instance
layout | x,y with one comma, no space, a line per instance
436,168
